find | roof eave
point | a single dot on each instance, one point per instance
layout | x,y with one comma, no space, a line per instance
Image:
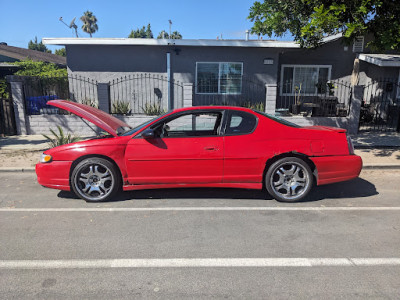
168,42
378,62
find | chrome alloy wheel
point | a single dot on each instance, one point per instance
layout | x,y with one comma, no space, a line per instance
94,182
290,180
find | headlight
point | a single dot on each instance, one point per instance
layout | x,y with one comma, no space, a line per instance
45,158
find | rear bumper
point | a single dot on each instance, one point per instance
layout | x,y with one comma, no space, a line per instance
337,168
54,175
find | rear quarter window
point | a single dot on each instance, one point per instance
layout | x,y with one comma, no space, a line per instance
240,122
279,120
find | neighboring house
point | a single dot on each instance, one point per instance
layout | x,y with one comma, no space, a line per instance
10,54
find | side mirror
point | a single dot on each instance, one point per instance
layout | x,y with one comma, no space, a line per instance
148,133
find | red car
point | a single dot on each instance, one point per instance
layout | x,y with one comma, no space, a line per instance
215,146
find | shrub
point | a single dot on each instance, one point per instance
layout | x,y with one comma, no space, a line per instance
90,102
3,89
256,106
121,107
154,109
60,138
29,67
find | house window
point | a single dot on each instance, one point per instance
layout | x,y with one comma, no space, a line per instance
219,78
306,79
358,45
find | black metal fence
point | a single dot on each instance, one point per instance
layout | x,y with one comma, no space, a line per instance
380,109
39,90
328,99
7,117
144,93
246,91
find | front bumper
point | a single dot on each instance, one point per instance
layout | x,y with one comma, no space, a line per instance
54,175
337,168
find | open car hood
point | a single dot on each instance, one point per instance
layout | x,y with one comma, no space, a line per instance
108,123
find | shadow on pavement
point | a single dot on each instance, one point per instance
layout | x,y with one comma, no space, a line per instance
356,188
21,141
350,189
383,152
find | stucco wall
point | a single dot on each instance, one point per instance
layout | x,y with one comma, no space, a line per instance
41,124
332,53
104,63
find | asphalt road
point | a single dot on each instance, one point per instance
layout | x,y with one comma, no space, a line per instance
201,243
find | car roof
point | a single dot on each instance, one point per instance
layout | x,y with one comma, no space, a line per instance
212,107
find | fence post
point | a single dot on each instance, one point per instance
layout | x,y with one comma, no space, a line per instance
103,94
355,107
17,94
270,98
187,94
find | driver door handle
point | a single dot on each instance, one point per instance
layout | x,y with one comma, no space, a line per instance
211,148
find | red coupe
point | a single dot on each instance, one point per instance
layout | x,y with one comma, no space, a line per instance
215,146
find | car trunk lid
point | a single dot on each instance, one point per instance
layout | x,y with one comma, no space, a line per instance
326,128
108,123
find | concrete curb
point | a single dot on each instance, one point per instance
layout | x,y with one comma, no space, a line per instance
381,167
362,147
23,169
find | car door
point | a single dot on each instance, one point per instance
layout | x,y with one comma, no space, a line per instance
243,162
187,148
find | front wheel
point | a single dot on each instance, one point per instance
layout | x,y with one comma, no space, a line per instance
95,180
289,179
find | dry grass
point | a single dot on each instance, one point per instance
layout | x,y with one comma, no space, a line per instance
19,158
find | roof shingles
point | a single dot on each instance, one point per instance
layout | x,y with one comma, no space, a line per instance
21,53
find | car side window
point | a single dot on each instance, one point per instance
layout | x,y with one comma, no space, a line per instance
194,124
240,122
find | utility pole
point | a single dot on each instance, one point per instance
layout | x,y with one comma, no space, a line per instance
170,23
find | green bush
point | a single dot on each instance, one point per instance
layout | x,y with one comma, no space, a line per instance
60,138
121,107
256,106
154,109
29,67
3,89
90,102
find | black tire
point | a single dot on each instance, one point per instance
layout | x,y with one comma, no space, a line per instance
289,179
95,180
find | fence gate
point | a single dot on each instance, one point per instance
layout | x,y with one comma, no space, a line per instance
144,93
7,118
380,109
39,90
243,91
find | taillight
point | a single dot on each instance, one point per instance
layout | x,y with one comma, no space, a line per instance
350,145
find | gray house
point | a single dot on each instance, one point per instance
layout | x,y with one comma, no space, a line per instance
335,84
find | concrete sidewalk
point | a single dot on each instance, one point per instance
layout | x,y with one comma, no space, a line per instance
23,142
376,140
378,151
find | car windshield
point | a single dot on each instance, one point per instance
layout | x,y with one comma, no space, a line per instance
279,120
137,128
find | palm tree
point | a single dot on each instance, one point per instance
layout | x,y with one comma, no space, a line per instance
89,23
163,35
176,35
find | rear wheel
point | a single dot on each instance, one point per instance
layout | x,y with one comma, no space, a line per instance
95,180
289,179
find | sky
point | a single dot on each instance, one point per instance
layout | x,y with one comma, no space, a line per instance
22,20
